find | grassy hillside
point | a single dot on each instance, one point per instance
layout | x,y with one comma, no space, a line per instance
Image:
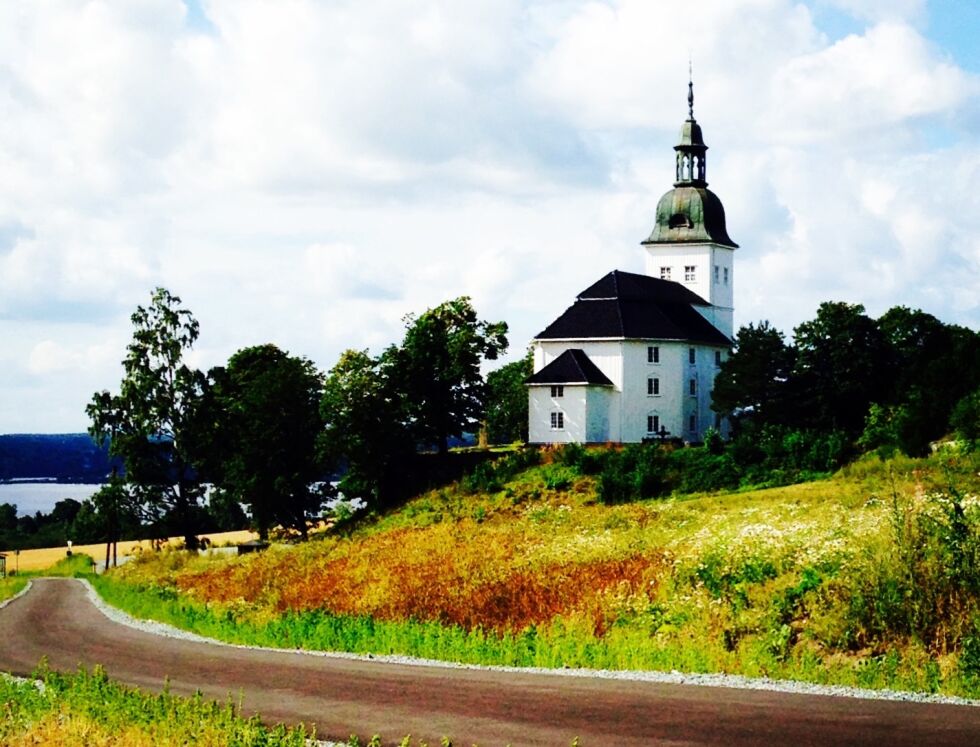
869,578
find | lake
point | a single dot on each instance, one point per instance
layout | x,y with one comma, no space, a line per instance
31,497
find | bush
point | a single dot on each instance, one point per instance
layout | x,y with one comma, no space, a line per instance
926,583
489,477
965,420
699,470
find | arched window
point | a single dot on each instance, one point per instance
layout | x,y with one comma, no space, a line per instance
679,220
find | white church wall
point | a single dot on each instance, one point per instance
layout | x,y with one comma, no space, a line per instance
620,413
571,405
672,402
608,358
604,353
638,402
678,256
704,258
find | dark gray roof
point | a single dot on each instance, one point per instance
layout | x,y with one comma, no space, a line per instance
690,214
636,307
571,367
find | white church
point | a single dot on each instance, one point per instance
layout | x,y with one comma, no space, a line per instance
635,356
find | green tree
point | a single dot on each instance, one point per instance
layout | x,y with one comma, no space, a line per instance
841,368
8,517
365,433
112,514
152,423
965,419
438,369
267,421
507,401
226,512
753,381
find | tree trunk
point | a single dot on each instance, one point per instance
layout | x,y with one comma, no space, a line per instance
182,509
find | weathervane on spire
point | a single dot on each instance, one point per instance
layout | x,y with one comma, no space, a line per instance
690,89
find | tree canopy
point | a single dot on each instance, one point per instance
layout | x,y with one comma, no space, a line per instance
507,402
152,423
754,379
265,426
887,383
438,369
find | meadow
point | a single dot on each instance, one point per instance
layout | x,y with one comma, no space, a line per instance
40,559
869,578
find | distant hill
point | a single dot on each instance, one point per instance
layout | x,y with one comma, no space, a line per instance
65,457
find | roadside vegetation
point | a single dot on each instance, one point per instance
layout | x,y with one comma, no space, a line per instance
87,708
67,709
868,578
11,586
76,565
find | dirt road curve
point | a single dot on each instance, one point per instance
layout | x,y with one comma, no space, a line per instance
56,619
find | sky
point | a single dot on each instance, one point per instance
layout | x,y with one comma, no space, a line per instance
306,173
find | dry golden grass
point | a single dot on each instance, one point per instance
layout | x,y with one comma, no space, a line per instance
40,559
68,729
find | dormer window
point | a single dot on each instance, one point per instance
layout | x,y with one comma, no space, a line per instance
679,220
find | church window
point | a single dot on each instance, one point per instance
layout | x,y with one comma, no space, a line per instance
726,276
653,354
557,391
717,273
557,421
665,273
692,386
692,355
653,386
692,422
688,273
717,358
679,220
653,423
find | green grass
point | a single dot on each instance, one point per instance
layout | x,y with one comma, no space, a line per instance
11,586
867,579
88,708
77,565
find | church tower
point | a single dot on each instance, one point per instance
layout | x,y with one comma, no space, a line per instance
689,243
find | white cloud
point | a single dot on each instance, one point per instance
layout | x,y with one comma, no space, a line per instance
307,173
864,87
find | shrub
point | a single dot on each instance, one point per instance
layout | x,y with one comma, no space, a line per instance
965,420
926,581
699,470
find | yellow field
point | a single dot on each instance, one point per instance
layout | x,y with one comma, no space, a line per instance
36,560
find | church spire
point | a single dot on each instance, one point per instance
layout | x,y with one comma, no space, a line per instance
691,150
690,90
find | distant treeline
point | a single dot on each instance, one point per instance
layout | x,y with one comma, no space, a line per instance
65,457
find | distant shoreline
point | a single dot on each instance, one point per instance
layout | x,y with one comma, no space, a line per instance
50,481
